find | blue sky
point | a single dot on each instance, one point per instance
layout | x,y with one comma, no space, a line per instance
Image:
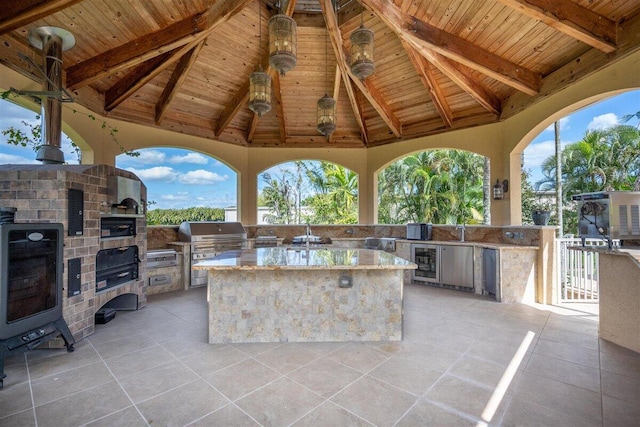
177,178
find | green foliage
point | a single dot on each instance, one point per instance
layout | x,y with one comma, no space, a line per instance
176,216
603,160
314,192
437,186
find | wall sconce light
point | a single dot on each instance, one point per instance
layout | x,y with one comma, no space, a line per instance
499,189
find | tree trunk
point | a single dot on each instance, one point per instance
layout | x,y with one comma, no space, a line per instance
556,127
486,193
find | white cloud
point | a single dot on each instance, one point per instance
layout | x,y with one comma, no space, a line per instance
149,157
175,197
536,154
564,125
18,160
194,158
201,176
604,121
159,173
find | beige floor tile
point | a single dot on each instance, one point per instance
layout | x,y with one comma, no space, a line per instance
324,376
19,419
230,415
125,345
620,364
286,358
619,413
609,347
129,417
460,395
83,407
478,370
50,361
570,353
555,334
116,329
425,413
61,384
494,352
526,413
359,356
377,402
132,363
415,378
566,372
182,405
237,380
560,397
15,369
279,403
255,348
621,387
151,382
213,358
15,398
329,414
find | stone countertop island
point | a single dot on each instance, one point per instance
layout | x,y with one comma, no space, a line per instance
295,294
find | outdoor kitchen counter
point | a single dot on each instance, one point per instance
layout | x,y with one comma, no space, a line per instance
294,294
619,295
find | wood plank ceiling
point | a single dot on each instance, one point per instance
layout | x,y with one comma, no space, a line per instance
184,66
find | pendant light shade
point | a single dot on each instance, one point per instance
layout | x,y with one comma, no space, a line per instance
362,53
282,43
326,115
260,92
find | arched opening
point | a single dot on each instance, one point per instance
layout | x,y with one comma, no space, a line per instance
434,186
183,184
600,143
307,191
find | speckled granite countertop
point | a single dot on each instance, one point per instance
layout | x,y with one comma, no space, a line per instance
299,258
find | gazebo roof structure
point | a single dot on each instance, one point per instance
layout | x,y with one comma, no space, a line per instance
184,66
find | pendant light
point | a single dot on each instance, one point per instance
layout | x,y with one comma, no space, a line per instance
282,42
260,85
326,106
362,65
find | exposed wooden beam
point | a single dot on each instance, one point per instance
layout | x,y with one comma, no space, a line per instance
462,78
133,80
18,13
572,19
367,89
277,93
175,82
189,31
423,68
423,36
239,100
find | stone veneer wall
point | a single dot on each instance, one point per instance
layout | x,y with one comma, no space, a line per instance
40,193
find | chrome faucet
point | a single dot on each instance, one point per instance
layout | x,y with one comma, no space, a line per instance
461,228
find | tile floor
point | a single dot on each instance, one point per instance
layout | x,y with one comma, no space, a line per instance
454,367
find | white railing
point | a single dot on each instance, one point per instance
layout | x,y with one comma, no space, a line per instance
578,270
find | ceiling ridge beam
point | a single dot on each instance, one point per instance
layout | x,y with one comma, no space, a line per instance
189,31
16,14
134,80
175,81
423,68
570,18
424,36
367,89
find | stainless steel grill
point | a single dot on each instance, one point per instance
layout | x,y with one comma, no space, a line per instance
208,239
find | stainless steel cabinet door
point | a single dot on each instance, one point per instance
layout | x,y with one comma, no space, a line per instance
456,266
